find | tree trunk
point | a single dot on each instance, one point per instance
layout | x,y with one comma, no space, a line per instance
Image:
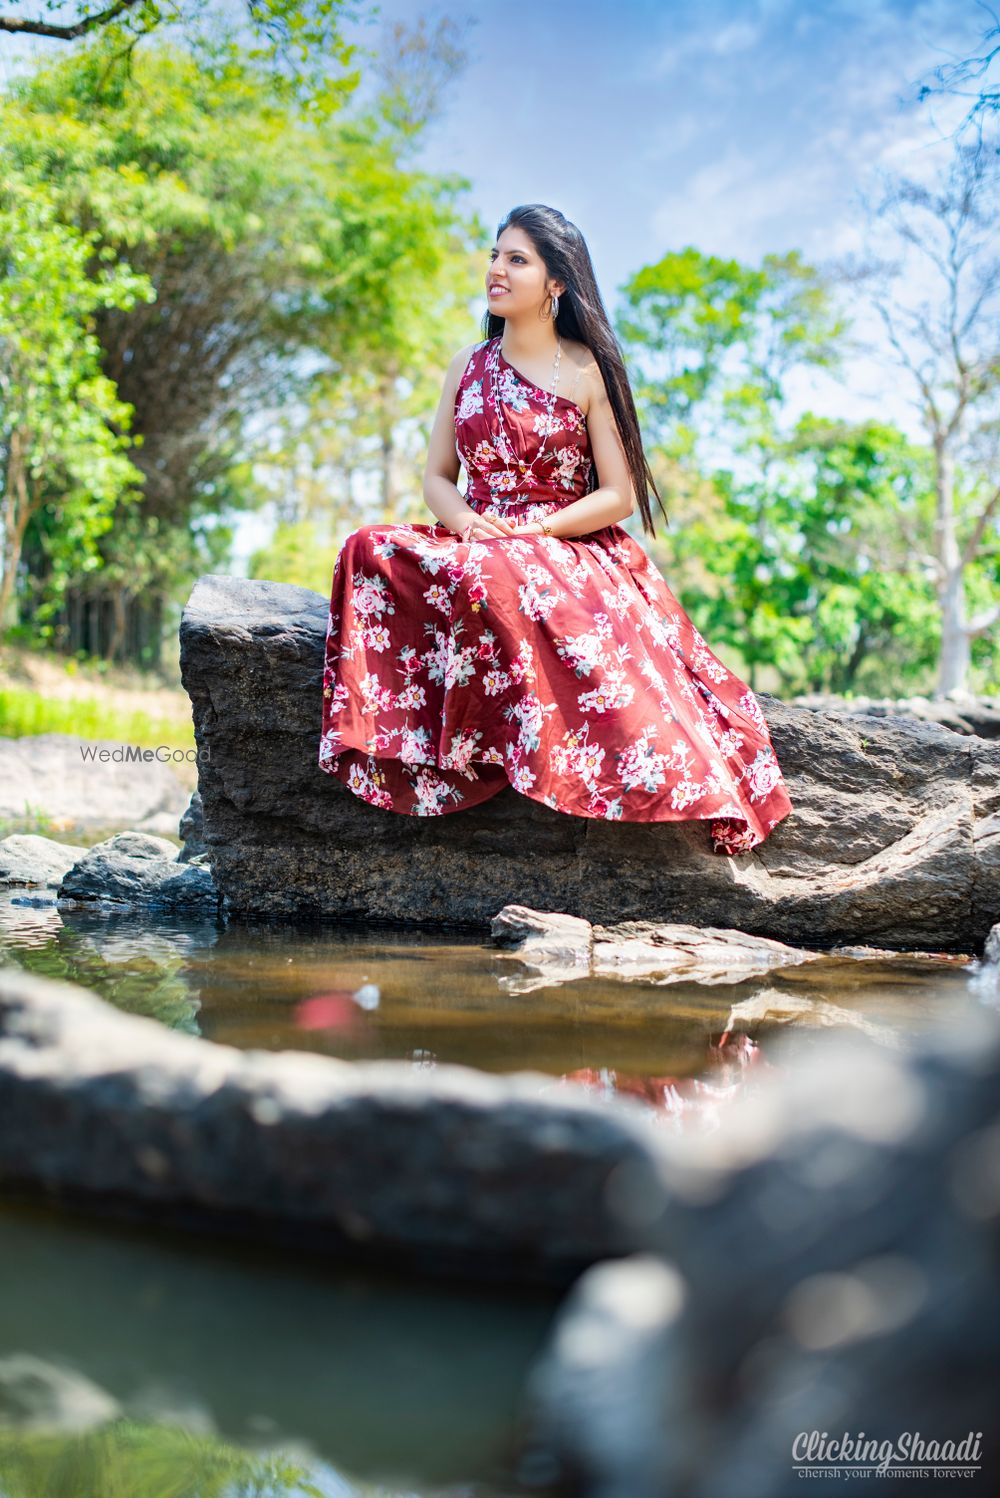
387,413
953,664
16,509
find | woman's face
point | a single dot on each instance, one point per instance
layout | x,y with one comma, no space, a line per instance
516,277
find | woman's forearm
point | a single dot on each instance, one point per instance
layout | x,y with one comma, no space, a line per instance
591,513
445,501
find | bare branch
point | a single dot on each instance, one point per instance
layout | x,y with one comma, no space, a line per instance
71,32
971,546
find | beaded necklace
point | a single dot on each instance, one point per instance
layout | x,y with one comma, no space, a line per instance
504,446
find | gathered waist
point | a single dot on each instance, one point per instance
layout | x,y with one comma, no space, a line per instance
517,499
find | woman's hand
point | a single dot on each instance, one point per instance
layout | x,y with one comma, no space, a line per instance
474,527
529,528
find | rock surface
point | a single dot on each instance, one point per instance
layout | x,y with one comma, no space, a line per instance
962,712
137,869
447,1170
827,1261
192,830
558,948
894,838
33,861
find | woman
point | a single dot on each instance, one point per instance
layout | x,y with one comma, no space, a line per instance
526,638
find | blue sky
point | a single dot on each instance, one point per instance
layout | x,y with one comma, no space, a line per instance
740,126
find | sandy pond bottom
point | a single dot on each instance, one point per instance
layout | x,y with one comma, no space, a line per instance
145,1364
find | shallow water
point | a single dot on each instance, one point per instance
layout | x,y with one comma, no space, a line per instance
362,994
365,1385
153,1356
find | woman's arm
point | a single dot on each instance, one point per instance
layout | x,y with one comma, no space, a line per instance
441,470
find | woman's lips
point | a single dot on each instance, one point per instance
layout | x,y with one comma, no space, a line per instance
499,291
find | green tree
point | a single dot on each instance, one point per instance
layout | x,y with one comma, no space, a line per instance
293,262
63,430
931,273
295,41
715,343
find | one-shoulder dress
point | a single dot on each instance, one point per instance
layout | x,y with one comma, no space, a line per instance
562,666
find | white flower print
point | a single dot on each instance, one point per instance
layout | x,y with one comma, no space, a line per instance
762,774
483,455
374,697
576,755
447,663
522,779
439,598
338,698
641,765
582,653
522,667
414,746
371,595
411,698
537,600
529,712
705,663
750,705
568,460
376,637
463,746
612,695
432,792
471,403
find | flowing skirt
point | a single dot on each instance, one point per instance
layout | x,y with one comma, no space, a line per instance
564,667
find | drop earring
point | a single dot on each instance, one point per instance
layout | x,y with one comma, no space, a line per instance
554,313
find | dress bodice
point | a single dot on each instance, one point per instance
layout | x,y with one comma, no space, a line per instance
494,401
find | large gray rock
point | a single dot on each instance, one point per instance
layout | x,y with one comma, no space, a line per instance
827,1261
68,779
550,949
446,1170
29,860
962,712
137,869
894,837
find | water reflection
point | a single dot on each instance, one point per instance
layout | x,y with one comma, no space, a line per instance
139,1366
361,994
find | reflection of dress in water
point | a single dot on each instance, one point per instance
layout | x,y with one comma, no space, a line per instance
565,667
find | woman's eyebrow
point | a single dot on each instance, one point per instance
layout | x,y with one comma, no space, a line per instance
515,251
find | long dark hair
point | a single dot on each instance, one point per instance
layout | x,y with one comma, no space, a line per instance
582,317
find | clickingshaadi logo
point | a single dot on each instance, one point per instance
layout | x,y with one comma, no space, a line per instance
849,1457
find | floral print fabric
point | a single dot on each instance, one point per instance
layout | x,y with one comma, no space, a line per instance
564,667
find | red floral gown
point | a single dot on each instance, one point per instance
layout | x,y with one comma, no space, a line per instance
562,666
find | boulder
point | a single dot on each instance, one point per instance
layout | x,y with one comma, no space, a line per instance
962,712
894,838
26,859
557,948
86,783
825,1262
137,869
447,1170
192,830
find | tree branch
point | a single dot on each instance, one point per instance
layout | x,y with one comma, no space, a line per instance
979,529
67,33
979,623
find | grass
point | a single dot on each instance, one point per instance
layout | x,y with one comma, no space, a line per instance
24,712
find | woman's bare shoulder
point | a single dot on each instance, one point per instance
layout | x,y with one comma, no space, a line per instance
460,361
585,379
